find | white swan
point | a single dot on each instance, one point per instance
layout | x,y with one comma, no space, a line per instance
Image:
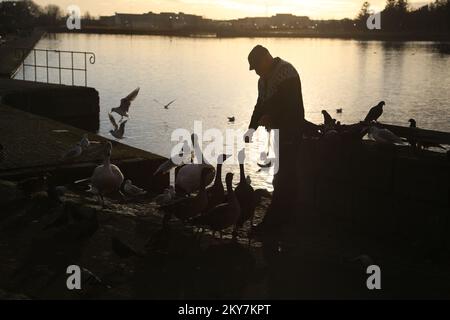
107,178
188,179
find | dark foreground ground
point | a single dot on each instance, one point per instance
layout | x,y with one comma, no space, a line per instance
39,239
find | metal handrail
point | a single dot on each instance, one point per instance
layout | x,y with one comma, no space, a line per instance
25,52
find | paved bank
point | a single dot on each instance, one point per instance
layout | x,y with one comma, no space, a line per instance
33,145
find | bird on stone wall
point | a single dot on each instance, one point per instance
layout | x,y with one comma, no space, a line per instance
328,121
125,104
375,112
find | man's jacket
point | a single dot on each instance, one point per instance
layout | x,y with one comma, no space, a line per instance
280,97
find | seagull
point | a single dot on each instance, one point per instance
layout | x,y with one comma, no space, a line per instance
118,131
132,190
375,112
384,136
125,103
328,120
166,106
74,152
231,119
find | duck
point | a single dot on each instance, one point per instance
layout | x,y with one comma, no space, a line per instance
216,193
107,178
245,195
185,207
188,179
224,215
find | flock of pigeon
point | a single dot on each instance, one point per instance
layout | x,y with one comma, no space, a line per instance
332,128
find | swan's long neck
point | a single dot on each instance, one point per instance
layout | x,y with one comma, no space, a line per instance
242,172
218,174
107,162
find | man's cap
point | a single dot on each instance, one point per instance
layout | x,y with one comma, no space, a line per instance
255,55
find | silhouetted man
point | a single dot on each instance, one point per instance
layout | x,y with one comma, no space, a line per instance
279,106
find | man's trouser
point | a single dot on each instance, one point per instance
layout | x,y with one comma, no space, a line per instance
283,206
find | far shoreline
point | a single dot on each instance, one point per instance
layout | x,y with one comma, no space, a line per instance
362,36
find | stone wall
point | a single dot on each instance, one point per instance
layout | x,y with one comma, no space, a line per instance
375,191
77,106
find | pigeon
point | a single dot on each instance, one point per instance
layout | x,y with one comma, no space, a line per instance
339,110
132,190
123,250
384,136
231,119
125,103
2,155
413,125
74,152
166,106
375,112
328,120
118,131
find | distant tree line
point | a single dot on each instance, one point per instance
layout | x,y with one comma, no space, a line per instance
397,16
22,15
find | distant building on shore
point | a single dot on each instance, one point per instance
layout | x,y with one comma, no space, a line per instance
154,21
177,21
279,21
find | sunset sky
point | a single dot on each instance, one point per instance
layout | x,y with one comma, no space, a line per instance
226,9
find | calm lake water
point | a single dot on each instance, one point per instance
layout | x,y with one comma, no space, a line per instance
210,80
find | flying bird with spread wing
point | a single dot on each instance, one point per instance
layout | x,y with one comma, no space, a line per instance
125,103
119,130
166,106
